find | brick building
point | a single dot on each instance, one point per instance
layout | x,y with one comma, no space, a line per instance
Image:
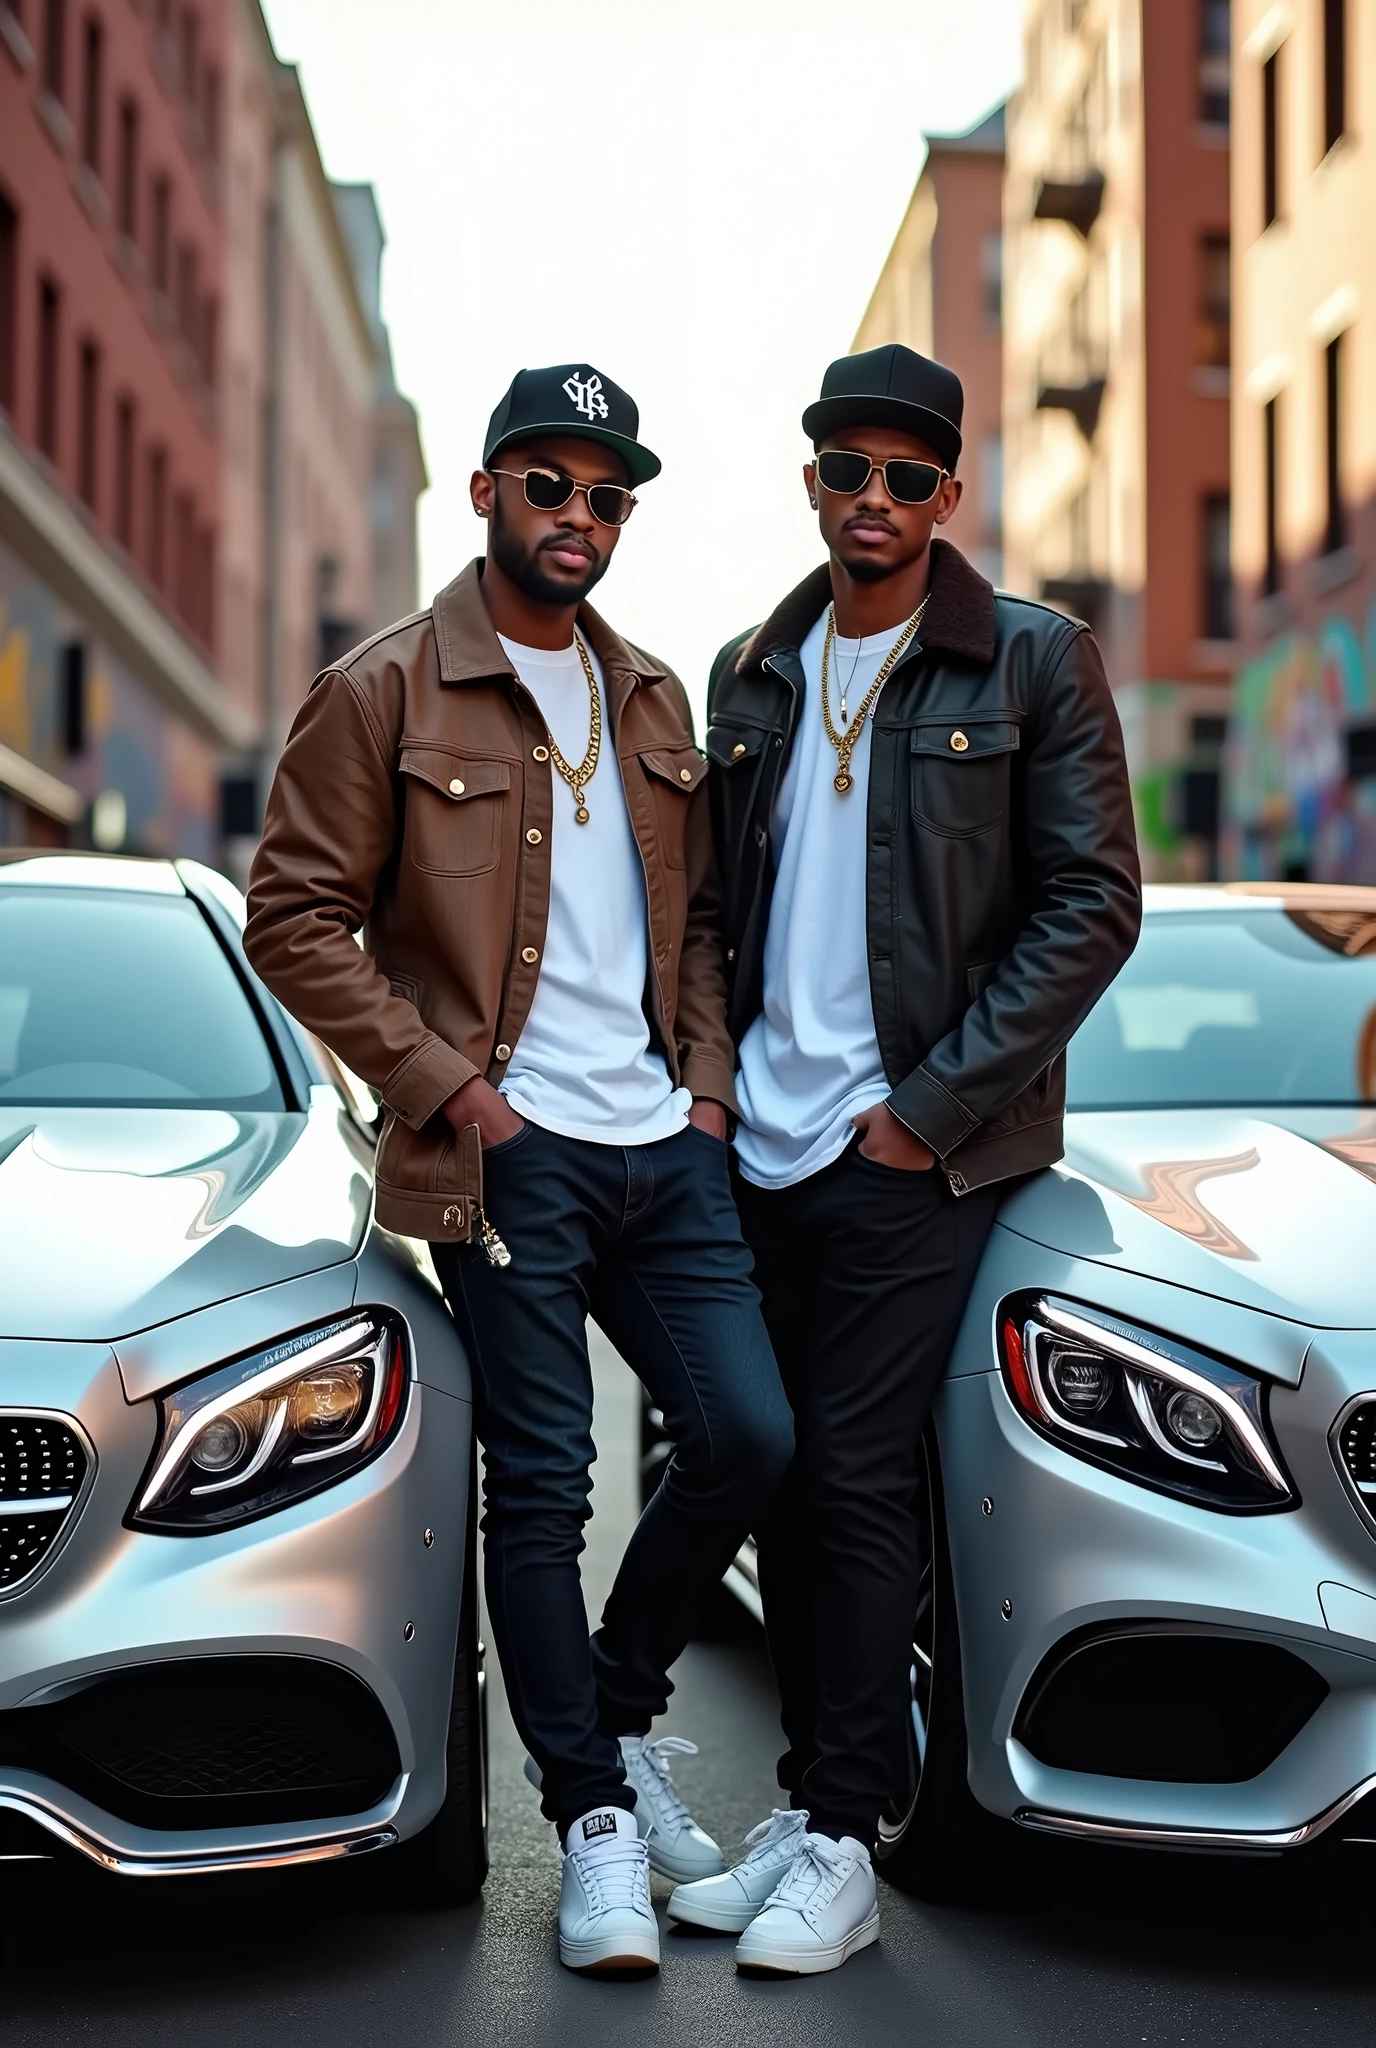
940,292
194,377
1301,783
111,136
1117,375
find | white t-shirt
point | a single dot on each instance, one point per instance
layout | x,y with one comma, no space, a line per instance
583,1066
810,1060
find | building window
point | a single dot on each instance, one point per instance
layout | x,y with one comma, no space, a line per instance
190,51
1215,62
157,517
55,48
212,96
990,488
1335,527
188,293
88,423
162,233
991,276
9,300
184,556
92,79
1217,556
124,473
1271,582
49,364
127,189
1270,140
210,340
1334,71
1212,348
205,581
74,697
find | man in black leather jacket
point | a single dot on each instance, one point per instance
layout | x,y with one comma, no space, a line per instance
929,874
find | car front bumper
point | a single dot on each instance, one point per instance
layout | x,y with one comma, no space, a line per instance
364,1578
1047,1548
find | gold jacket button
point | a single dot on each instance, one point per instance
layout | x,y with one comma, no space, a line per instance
738,750
453,1217
529,955
534,836
685,774
539,753
504,1052
456,787
959,743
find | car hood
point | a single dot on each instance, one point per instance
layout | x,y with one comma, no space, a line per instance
1274,1210
113,1220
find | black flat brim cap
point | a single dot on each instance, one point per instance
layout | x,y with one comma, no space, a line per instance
546,402
894,387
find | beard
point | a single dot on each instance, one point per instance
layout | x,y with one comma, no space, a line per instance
862,567
522,566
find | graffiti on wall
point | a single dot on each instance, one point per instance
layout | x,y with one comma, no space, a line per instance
165,774
1291,808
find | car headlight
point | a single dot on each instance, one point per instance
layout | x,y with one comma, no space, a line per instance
269,1429
1142,1405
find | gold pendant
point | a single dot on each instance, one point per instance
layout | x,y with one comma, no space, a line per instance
581,815
842,783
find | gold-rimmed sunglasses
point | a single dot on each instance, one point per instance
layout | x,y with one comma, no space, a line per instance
845,472
547,489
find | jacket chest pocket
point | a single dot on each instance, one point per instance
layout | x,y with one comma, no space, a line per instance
453,810
959,775
673,773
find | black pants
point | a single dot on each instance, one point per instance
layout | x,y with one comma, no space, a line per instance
864,1272
646,1240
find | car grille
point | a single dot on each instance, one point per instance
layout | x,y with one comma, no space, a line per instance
212,1741
42,1469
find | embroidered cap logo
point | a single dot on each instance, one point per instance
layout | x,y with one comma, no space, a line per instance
586,394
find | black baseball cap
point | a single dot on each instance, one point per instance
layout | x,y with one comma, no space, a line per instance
571,398
891,386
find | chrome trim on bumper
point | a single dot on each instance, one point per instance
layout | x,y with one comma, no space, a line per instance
198,1862
1139,1835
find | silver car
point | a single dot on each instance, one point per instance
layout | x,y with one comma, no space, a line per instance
1148,1612
238,1615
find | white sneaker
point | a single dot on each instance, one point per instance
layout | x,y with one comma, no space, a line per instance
678,1847
731,1901
825,1909
606,1921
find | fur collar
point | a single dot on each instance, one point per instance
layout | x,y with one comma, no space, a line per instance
959,617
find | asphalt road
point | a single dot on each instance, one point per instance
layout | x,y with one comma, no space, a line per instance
1074,1949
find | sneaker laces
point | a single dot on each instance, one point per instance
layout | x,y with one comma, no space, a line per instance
614,1873
763,1840
820,1867
660,1785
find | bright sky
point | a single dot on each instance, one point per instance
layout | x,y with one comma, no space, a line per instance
696,199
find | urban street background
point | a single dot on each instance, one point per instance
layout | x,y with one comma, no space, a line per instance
254,314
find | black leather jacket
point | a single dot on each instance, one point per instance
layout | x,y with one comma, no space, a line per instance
1003,888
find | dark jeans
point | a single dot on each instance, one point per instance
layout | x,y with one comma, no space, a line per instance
864,1272
646,1240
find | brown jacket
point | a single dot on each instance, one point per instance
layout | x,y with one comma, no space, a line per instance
413,801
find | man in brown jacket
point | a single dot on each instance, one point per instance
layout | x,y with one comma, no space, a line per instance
506,800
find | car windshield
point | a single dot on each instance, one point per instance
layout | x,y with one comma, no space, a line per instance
1250,1008
116,999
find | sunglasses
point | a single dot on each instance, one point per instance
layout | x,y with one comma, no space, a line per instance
845,472
548,489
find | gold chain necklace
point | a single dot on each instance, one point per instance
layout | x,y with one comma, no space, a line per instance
578,777
845,742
